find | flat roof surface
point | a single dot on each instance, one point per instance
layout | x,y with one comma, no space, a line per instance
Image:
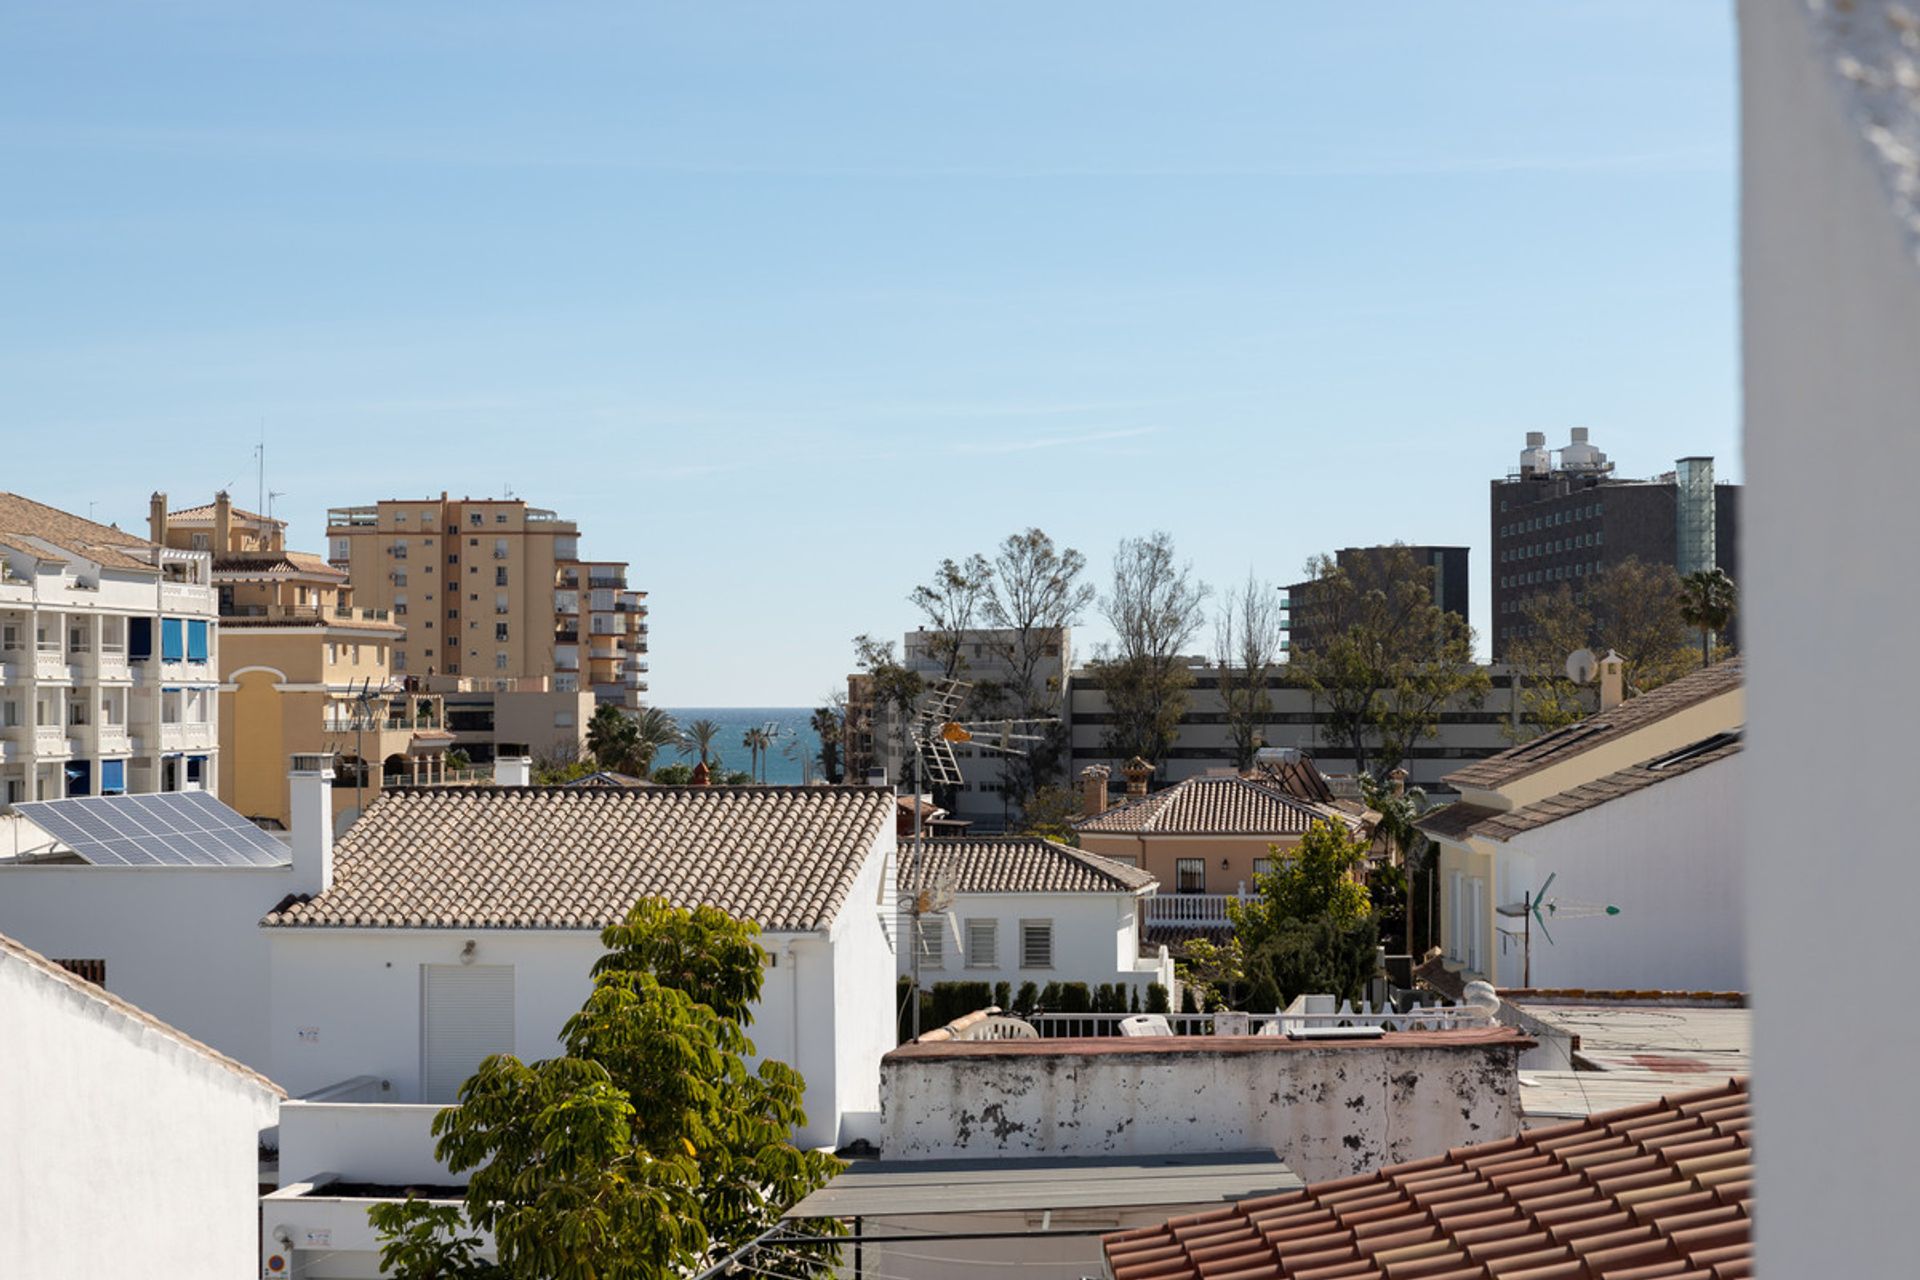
1553,1097
1664,1039
884,1188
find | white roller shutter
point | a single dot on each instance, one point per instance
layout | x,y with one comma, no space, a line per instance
466,1015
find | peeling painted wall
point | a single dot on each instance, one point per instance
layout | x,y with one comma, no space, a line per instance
1328,1111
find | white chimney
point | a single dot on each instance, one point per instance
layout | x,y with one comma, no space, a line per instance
1613,681
310,808
512,769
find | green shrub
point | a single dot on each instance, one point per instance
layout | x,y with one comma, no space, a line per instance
1187,1004
1075,998
1003,994
1028,997
1050,997
1157,998
1133,1001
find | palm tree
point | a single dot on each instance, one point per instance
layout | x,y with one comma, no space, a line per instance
699,740
1707,601
756,741
610,737
654,730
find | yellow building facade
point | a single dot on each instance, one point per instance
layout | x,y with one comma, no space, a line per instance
303,668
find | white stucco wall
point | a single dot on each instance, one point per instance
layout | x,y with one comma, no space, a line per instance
120,1147
864,1026
1831,335
1095,940
1328,1111
1671,857
183,943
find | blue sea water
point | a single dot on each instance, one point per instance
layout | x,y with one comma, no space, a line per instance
794,737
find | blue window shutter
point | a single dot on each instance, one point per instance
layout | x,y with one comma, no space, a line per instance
196,642
113,777
172,644
139,639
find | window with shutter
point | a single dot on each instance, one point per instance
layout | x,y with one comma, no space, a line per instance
1036,944
931,941
983,944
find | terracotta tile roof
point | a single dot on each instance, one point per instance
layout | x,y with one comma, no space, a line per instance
278,564
1662,1190
100,543
1024,864
112,1006
1213,806
578,858
205,511
1462,821
1601,727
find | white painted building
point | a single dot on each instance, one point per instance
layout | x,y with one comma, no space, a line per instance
109,654
181,938
128,1146
1028,910
1631,808
464,922
1830,299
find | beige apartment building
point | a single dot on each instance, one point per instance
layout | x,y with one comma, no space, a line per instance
494,588
303,668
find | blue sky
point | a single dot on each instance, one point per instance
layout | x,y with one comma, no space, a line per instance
785,302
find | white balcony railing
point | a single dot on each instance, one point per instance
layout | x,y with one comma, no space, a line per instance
114,738
1305,1014
1192,908
183,736
186,597
50,739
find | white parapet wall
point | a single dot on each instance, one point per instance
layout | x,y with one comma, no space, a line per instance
1328,1109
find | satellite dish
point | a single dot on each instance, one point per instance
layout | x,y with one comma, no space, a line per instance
1582,666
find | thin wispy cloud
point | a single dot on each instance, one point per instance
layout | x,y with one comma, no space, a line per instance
976,448
360,149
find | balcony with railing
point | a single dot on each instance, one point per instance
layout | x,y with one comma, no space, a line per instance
1197,910
50,739
600,582
185,597
353,517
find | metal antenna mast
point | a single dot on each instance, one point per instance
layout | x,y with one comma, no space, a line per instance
1529,909
934,731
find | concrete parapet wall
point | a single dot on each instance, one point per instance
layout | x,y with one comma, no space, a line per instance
1327,1109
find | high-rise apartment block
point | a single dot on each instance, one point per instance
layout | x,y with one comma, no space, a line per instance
109,660
1445,570
491,587
1563,516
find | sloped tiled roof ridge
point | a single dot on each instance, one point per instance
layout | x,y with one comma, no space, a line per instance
113,1006
1028,864
1602,726
578,858
101,543
1664,1189
1224,805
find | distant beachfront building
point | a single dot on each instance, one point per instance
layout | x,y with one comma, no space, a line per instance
494,588
109,658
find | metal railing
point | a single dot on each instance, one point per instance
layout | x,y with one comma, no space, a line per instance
1306,1013
1192,908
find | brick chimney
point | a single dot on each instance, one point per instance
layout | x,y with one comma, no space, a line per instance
222,525
1613,681
310,818
1093,789
157,519
1138,772
701,778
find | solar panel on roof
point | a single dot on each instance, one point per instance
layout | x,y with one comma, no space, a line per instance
175,828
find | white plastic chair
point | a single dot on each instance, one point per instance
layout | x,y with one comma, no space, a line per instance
1145,1024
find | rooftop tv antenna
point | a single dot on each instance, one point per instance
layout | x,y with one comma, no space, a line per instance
1536,908
271,495
930,886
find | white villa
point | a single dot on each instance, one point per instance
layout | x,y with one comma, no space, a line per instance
109,654
1029,910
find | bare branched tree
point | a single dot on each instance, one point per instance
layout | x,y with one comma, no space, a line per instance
1033,595
949,604
1247,635
1155,607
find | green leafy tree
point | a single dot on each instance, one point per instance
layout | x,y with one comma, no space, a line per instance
613,738
1049,814
1391,659
1708,599
1553,624
1409,885
698,741
649,1146
674,775
1310,927
895,689
829,722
